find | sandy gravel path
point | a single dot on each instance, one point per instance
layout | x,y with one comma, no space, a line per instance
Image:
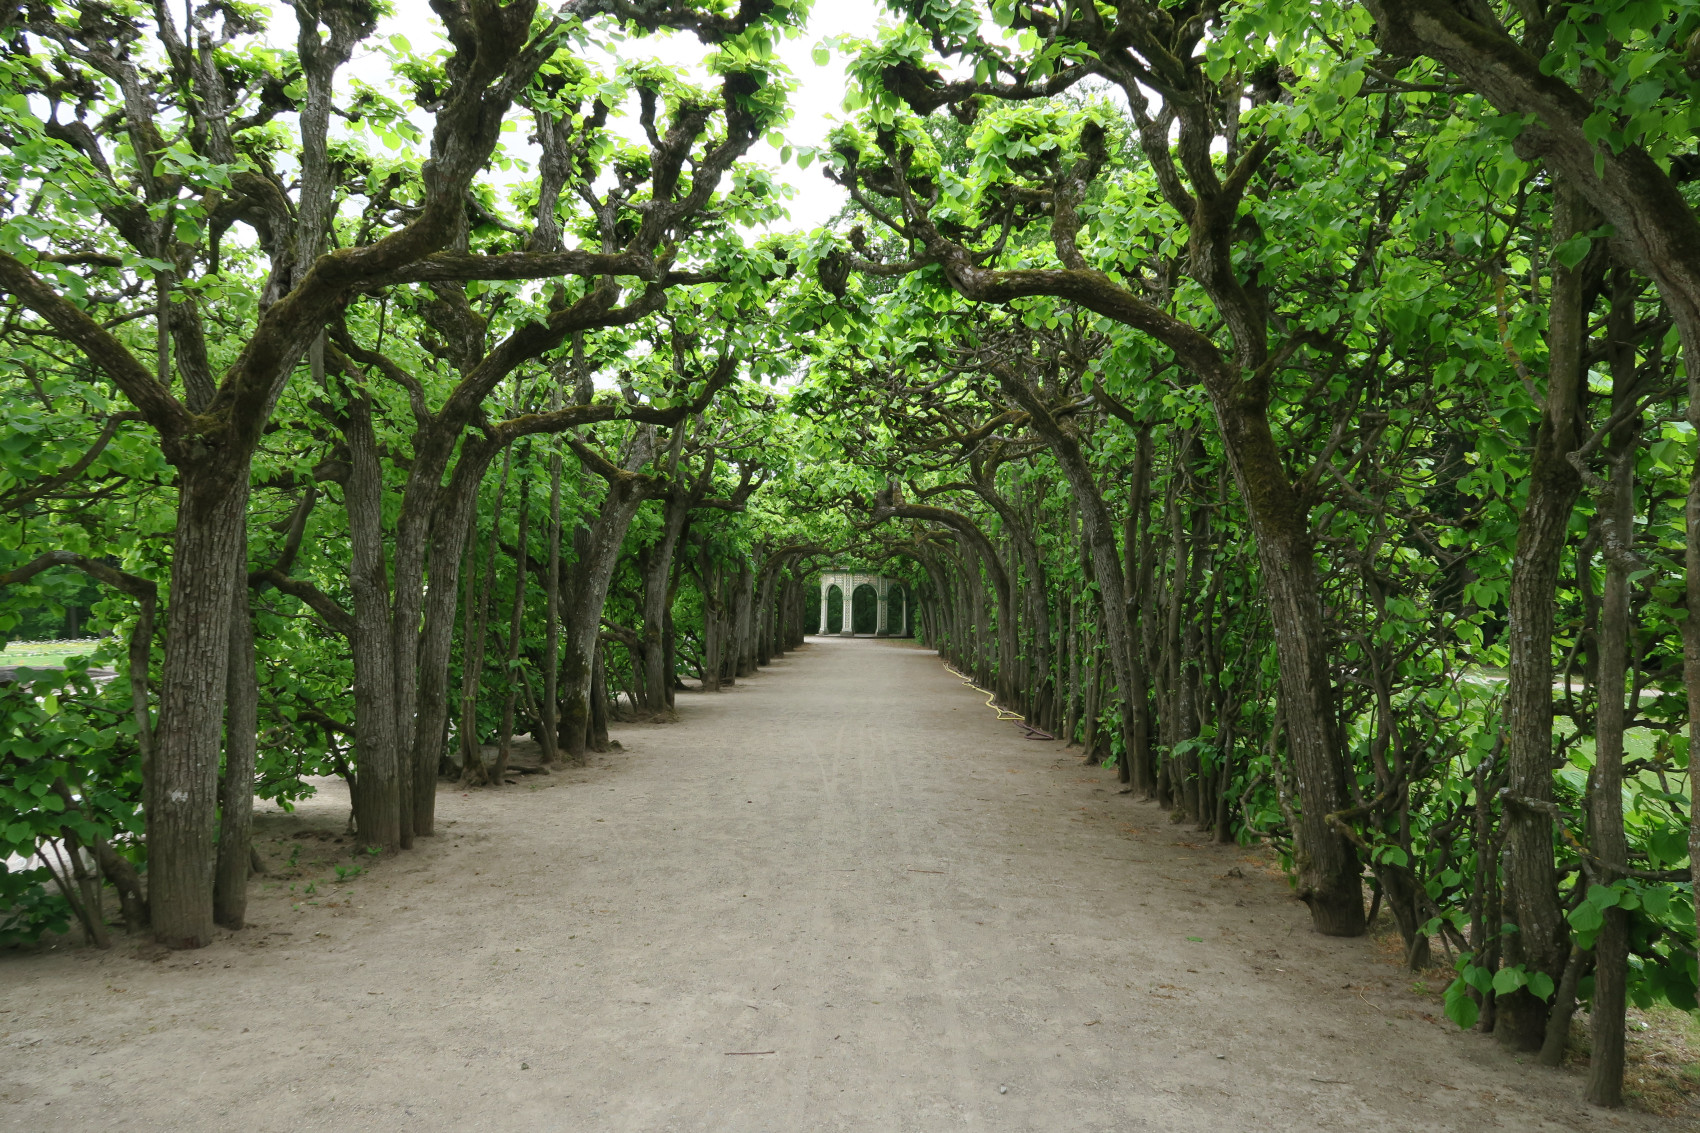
928,922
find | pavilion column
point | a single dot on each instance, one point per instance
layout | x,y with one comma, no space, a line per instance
825,589
847,627
882,592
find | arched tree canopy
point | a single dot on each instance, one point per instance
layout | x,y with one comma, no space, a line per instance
1291,405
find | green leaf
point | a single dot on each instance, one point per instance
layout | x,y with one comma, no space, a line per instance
1508,980
1393,855
1573,251
1458,1005
1586,918
1540,985
1601,896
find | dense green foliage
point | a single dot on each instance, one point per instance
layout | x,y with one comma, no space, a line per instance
1254,394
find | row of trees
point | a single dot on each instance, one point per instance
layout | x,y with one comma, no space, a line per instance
1295,406
373,436
1288,404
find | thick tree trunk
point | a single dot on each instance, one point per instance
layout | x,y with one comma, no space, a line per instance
794,609
966,600
1200,597
1222,822
788,629
772,647
938,613
183,787
241,735
1165,637
472,769
377,780
1324,858
453,548
743,606
599,702
421,502
971,600
764,616
713,637
587,593
1145,647
799,610
1611,946
657,595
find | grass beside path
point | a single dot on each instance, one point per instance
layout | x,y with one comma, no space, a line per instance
46,654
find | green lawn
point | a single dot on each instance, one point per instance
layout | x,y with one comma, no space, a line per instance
46,654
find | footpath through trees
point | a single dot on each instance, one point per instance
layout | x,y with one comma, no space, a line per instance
842,894
1295,407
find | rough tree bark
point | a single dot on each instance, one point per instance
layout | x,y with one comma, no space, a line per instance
212,506
473,771
743,603
598,546
236,792
1610,846
377,782
1541,940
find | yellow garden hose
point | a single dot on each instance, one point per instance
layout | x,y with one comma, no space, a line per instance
1003,713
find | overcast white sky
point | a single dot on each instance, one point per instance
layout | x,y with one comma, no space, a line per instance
817,100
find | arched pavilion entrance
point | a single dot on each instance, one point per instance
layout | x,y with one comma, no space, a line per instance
892,604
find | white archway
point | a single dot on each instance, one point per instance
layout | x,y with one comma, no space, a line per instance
885,625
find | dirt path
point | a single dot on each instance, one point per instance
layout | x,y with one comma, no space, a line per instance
928,921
